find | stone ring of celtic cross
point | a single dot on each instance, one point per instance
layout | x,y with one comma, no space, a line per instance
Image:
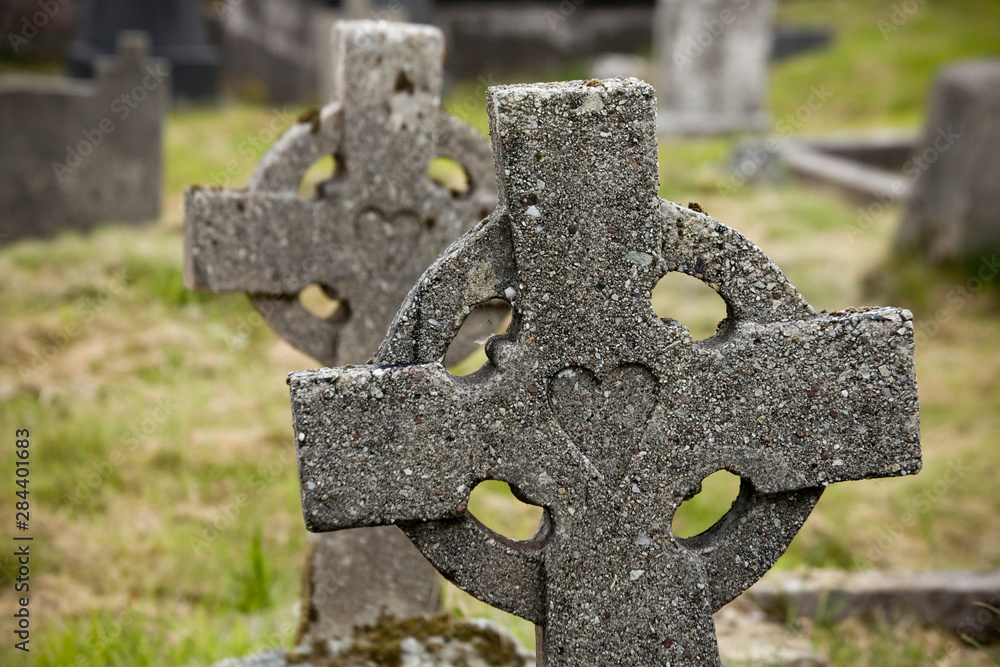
732,552
281,172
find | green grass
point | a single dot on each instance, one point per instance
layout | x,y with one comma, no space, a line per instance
164,493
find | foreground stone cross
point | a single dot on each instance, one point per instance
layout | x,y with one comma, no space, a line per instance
596,410
366,237
712,65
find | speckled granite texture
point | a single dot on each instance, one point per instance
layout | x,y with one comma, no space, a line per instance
596,409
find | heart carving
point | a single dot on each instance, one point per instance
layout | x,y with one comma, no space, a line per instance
605,418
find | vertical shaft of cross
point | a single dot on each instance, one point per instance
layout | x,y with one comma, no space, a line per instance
580,236
382,86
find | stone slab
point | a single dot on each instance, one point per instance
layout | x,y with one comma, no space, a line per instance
955,600
437,641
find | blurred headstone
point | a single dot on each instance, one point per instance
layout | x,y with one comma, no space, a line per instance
280,50
597,410
79,152
712,62
791,42
363,238
958,601
954,210
177,31
611,65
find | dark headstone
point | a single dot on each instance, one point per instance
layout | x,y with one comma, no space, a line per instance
79,152
494,38
176,28
791,42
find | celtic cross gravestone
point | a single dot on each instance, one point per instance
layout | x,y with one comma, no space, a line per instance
366,236
597,410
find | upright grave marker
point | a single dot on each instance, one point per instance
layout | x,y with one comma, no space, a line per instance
595,409
712,63
367,236
76,153
953,213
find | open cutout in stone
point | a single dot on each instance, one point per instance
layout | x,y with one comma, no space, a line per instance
466,354
321,304
495,506
320,176
450,175
689,301
702,511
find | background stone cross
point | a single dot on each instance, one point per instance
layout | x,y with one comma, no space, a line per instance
370,232
595,409
374,226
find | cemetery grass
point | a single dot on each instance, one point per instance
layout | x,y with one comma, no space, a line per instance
165,505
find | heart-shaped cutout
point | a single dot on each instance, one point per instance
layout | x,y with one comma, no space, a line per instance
606,418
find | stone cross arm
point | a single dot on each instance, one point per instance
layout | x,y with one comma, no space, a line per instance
256,255
360,465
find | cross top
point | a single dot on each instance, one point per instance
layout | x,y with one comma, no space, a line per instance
374,225
596,410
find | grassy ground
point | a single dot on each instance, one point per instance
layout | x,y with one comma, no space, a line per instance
164,500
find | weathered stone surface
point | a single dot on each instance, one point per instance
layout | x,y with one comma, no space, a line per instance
954,211
712,60
367,236
789,399
375,225
957,601
436,641
76,153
